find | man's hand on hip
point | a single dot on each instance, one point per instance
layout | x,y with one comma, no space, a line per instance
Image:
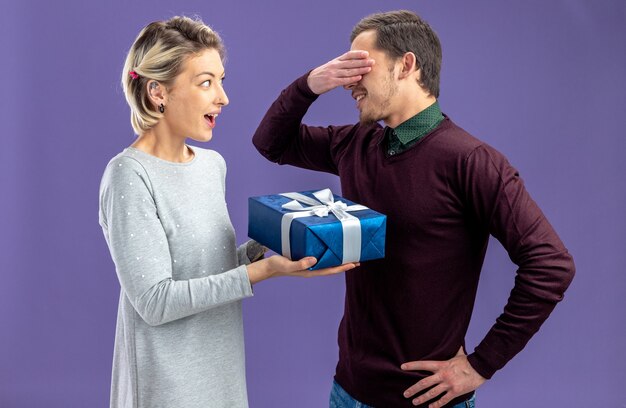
344,70
451,378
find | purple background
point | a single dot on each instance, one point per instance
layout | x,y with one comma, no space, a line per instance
541,81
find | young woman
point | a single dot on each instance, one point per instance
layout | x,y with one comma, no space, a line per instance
179,337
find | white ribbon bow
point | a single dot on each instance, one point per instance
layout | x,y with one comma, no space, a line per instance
350,224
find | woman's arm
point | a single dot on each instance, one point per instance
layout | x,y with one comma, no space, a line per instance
139,248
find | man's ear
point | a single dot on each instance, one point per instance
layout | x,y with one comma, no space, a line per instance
409,65
157,93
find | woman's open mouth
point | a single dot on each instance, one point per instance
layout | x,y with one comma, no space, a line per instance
210,119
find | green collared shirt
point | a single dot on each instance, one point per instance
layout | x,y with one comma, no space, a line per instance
411,131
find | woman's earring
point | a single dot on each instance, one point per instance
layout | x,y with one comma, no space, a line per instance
161,108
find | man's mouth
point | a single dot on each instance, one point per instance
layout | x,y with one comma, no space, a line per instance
358,97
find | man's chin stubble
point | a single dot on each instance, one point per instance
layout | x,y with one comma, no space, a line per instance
366,121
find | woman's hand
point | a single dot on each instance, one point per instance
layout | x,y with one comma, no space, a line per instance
280,266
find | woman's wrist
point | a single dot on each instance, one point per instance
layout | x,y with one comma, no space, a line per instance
258,271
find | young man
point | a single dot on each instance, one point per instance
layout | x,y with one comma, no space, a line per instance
444,192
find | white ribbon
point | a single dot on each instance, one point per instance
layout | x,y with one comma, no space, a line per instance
350,224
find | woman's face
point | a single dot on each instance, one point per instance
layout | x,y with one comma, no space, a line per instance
196,97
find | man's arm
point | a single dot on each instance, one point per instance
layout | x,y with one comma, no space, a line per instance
545,267
282,138
497,200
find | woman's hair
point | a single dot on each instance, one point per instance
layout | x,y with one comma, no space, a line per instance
158,54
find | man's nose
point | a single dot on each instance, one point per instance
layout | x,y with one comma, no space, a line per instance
350,86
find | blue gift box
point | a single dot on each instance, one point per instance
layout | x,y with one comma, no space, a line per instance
322,234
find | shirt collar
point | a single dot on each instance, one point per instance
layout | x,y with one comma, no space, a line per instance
419,125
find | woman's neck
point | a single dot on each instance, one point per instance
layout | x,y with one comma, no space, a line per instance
164,147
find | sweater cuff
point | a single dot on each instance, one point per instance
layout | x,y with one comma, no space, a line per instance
242,255
303,87
244,279
481,365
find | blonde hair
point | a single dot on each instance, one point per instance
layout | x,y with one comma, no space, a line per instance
158,54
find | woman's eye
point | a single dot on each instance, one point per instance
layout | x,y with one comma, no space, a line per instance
206,83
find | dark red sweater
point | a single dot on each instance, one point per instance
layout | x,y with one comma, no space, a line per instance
443,198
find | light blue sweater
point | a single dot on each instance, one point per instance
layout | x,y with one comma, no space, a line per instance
179,337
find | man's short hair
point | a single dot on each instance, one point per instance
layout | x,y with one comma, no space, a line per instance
402,31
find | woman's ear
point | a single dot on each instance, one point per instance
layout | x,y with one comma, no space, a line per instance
157,93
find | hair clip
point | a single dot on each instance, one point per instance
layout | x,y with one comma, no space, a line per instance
133,75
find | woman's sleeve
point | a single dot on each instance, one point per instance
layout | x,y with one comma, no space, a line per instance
249,252
139,248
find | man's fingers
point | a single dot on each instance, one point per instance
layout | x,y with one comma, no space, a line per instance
344,70
350,68
354,54
430,395
431,366
449,380
353,64
339,73
357,63
421,386
445,398
348,80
